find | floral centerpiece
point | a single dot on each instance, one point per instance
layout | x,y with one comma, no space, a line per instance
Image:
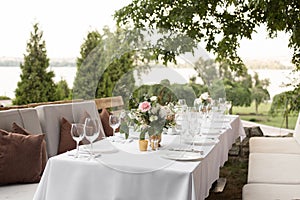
203,102
149,117
205,99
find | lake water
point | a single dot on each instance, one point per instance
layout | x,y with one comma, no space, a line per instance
9,77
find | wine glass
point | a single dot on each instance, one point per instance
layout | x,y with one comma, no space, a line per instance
114,122
92,130
228,106
193,126
77,133
182,104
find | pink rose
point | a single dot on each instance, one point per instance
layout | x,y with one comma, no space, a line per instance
144,106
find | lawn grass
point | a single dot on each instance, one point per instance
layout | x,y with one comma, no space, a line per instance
263,116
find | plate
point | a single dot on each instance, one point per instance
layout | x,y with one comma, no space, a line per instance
182,156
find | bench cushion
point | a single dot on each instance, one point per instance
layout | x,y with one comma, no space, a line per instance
274,145
274,168
270,191
26,118
297,130
18,192
50,118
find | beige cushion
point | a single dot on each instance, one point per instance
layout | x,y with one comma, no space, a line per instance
274,168
50,117
26,118
20,158
297,130
274,145
18,129
271,192
18,192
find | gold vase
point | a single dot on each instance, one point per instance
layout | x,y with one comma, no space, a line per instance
143,144
155,141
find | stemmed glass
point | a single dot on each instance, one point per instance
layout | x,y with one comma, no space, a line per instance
228,106
92,130
77,133
114,122
194,126
182,104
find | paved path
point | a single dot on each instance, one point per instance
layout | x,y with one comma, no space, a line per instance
268,130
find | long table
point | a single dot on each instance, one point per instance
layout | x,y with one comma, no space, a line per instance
122,172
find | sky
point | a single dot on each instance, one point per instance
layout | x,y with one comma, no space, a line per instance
65,24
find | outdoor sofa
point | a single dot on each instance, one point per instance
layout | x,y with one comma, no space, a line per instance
44,119
273,171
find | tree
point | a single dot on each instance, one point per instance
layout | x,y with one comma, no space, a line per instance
222,82
219,24
87,75
259,91
36,84
62,90
105,67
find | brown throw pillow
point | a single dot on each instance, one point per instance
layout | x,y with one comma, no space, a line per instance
20,158
18,129
66,142
104,116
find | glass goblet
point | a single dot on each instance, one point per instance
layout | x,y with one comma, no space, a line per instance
114,122
92,130
77,133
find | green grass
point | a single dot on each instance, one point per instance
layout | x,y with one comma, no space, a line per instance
263,116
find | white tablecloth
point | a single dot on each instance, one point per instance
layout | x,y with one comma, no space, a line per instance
124,174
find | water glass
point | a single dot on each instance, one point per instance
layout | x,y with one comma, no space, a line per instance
77,133
114,122
92,130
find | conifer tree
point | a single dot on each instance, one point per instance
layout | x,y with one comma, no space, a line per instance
36,84
101,70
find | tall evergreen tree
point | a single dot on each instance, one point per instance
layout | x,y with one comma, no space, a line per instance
105,66
87,74
36,83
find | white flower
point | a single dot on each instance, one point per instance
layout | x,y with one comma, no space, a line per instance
204,96
153,118
153,98
198,100
131,115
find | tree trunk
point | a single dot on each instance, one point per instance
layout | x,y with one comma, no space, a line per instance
230,110
286,121
256,107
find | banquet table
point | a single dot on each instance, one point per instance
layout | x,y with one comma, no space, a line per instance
122,172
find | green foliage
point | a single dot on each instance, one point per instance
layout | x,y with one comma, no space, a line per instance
285,104
62,90
36,83
222,82
4,98
167,92
105,67
219,24
259,91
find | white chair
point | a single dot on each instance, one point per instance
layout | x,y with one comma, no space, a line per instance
283,145
270,191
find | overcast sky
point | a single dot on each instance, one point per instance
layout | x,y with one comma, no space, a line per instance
65,24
